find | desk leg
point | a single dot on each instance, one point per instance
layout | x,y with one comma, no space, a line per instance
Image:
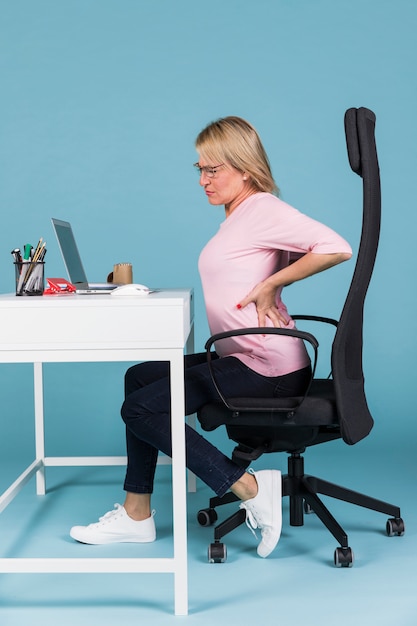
39,427
179,493
191,419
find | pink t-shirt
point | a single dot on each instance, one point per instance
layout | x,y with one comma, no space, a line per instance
254,242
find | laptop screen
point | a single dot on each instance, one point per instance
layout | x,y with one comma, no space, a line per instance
70,252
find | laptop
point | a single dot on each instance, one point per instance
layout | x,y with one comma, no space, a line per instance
73,263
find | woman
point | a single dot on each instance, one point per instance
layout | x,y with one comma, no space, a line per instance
243,271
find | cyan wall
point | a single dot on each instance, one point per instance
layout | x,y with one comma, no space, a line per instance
100,103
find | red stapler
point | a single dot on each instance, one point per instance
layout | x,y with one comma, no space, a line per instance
58,286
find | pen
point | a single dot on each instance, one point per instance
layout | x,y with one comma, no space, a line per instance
23,273
17,256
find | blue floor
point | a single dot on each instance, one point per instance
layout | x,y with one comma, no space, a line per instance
298,583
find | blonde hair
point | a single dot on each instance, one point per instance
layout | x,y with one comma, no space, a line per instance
232,140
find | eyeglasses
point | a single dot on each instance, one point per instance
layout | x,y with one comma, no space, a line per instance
208,170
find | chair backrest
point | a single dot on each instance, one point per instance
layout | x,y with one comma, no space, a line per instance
355,418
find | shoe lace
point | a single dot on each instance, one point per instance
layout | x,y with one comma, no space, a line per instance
111,513
250,521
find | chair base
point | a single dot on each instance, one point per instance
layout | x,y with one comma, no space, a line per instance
302,491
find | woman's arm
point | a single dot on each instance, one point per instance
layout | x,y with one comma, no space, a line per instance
264,294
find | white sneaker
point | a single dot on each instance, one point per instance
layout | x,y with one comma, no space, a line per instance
116,527
264,510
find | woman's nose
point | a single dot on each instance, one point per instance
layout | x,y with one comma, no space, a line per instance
204,179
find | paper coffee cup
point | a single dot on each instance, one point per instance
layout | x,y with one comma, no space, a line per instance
123,273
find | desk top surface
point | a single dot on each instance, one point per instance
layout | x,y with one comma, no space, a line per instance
159,297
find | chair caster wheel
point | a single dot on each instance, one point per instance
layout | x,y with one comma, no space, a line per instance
343,557
206,517
395,526
217,553
308,510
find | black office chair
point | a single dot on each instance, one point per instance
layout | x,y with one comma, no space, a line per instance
332,408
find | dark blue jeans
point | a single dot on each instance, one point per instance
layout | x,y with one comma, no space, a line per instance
146,413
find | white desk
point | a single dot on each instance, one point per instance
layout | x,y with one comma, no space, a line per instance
80,328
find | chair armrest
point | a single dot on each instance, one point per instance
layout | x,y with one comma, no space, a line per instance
316,318
293,332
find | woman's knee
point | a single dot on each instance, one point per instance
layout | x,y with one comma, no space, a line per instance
144,403
132,410
124,412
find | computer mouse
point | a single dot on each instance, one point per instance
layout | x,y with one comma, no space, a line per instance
132,289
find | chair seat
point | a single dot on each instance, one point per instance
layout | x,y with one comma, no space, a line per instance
317,409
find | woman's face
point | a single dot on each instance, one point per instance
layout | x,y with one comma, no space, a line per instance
228,186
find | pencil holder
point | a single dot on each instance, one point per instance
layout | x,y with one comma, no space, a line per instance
30,278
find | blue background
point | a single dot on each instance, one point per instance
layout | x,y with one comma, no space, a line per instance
100,104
